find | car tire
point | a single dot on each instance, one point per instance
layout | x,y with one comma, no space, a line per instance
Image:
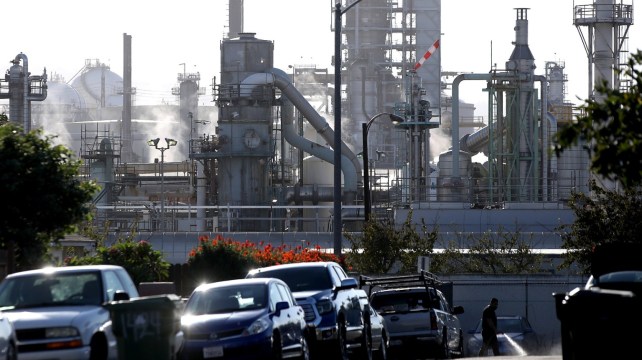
98,348
277,347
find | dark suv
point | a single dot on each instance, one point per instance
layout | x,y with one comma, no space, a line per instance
336,311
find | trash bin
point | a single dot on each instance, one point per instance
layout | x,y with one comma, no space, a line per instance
146,327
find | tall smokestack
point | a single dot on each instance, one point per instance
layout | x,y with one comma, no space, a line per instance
126,128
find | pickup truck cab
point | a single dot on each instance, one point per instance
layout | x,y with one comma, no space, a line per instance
336,311
57,312
420,322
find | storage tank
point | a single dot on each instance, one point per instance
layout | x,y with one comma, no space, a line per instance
449,188
99,86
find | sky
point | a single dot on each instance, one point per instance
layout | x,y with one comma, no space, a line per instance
176,36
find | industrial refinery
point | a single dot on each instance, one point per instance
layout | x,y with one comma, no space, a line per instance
259,161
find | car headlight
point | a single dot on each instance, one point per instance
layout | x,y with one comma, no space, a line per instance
324,306
61,332
257,327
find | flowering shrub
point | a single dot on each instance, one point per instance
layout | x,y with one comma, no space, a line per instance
142,262
224,259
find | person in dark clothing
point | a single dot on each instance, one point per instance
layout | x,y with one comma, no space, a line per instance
489,328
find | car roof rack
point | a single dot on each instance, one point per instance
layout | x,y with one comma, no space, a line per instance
424,279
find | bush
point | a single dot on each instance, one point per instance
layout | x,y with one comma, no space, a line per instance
220,259
142,262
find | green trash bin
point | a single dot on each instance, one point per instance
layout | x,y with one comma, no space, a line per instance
146,327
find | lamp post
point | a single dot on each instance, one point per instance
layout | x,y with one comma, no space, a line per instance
365,127
337,223
170,143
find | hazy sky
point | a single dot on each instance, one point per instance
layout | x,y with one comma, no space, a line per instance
61,35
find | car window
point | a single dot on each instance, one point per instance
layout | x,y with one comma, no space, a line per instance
285,294
57,289
275,297
113,284
300,279
128,284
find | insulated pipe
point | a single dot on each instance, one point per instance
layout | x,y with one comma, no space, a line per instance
548,134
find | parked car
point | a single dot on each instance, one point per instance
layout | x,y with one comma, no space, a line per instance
57,312
336,311
243,319
596,319
380,341
8,341
516,337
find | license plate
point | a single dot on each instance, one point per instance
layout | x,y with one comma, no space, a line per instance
212,352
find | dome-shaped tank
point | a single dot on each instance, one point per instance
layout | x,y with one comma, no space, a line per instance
449,188
97,82
61,93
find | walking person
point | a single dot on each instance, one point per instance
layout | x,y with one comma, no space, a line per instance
489,329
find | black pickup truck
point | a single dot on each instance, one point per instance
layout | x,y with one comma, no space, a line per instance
336,310
419,320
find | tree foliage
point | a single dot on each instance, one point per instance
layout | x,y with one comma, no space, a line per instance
602,217
498,252
610,129
383,247
142,262
43,196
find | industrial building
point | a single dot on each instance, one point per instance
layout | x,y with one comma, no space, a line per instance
258,163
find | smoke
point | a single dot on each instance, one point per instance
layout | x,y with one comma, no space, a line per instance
439,142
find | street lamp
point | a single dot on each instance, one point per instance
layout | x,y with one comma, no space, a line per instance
365,127
170,143
337,223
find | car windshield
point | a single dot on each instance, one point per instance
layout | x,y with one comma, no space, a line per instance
227,299
301,279
51,289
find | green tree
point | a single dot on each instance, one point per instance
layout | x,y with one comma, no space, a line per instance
610,129
600,218
43,196
383,247
498,252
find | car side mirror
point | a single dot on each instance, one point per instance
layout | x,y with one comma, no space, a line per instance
281,305
121,296
349,283
458,310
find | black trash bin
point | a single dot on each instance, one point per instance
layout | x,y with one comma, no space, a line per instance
146,327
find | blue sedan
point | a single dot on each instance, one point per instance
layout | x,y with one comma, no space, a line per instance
243,319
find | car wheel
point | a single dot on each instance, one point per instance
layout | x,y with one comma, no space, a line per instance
382,352
98,348
277,348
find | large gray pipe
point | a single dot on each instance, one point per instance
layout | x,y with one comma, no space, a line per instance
292,96
280,79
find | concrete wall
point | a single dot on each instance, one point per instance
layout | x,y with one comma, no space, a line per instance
530,296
